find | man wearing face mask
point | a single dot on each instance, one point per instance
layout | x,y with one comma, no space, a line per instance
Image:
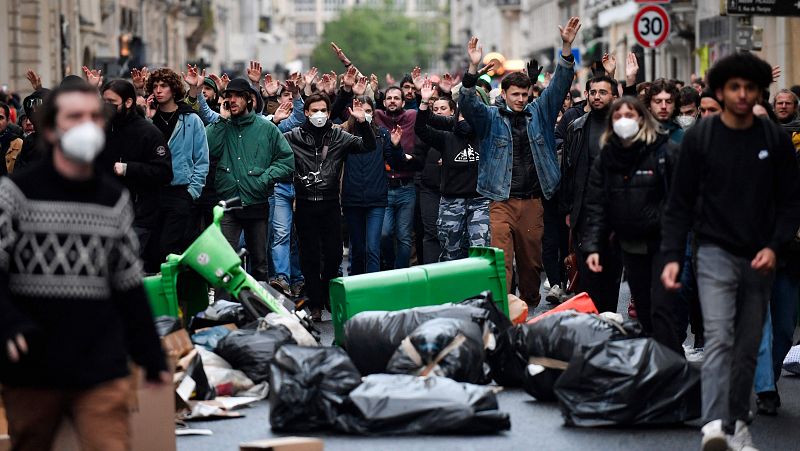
319,152
689,110
252,156
72,302
581,149
137,155
518,165
463,213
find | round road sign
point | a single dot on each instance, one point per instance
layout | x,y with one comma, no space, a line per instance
651,26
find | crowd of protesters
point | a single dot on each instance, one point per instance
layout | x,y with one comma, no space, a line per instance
689,192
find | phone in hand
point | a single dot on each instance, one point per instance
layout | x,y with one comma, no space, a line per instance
227,104
154,104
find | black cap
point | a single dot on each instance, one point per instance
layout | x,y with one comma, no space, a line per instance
239,85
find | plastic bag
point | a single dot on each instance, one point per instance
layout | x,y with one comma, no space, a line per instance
402,404
309,385
211,360
580,303
628,382
166,325
505,367
300,335
546,346
251,350
443,347
209,338
227,381
192,367
371,338
225,311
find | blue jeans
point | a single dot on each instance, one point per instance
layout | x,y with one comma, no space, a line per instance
398,224
778,330
365,225
285,261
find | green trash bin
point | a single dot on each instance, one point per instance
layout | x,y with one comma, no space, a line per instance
418,286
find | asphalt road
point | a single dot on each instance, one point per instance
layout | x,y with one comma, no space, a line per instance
534,425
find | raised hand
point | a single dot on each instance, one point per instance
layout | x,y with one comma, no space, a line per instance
492,66
609,64
334,82
416,78
340,54
570,30
309,76
271,85
357,110
191,77
397,135
373,82
349,78
776,73
446,83
427,90
93,76
223,82
254,72
474,51
34,79
390,80
360,87
533,69
139,77
283,112
324,83
631,69
291,86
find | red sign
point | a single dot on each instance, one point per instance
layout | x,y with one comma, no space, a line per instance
651,26
652,1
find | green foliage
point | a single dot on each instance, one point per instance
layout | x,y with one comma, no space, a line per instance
377,40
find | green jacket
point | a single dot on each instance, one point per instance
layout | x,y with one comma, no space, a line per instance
252,154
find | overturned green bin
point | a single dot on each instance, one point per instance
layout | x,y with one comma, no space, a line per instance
418,286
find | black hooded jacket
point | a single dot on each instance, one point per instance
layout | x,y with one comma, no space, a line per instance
135,141
627,192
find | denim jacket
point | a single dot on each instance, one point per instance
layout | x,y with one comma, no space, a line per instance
297,118
494,132
189,148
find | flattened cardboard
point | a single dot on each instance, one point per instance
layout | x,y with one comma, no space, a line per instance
284,444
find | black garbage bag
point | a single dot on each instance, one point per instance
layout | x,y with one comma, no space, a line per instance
443,347
628,382
308,386
506,367
252,350
403,404
166,325
371,338
203,390
546,346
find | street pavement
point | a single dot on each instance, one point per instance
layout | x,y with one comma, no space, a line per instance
534,426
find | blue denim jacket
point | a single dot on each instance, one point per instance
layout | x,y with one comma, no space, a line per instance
494,132
189,149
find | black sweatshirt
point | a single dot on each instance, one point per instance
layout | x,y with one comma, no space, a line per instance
736,193
70,282
459,157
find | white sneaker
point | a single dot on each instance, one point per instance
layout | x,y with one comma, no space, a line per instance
555,295
546,284
741,439
714,438
695,355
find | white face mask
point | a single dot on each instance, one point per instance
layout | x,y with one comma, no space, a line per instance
626,127
368,118
83,143
685,121
318,119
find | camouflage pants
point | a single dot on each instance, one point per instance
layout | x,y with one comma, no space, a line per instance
463,223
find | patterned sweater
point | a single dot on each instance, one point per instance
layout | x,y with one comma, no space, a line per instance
70,281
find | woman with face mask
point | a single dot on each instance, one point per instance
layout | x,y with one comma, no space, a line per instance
627,190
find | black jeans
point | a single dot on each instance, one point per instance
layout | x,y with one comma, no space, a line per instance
555,243
602,287
176,206
429,211
642,277
319,241
252,219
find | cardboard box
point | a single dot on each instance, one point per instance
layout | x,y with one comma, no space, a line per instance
176,345
152,420
284,444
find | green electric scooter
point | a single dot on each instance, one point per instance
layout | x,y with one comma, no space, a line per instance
181,290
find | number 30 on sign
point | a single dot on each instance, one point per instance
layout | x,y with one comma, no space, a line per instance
651,26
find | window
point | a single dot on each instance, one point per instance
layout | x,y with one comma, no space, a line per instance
333,5
264,24
426,5
305,32
305,5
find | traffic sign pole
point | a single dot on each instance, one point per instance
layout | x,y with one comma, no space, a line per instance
651,28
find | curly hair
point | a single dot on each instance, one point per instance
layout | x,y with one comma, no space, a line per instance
663,85
171,78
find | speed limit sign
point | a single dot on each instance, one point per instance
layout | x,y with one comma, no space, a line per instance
651,26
